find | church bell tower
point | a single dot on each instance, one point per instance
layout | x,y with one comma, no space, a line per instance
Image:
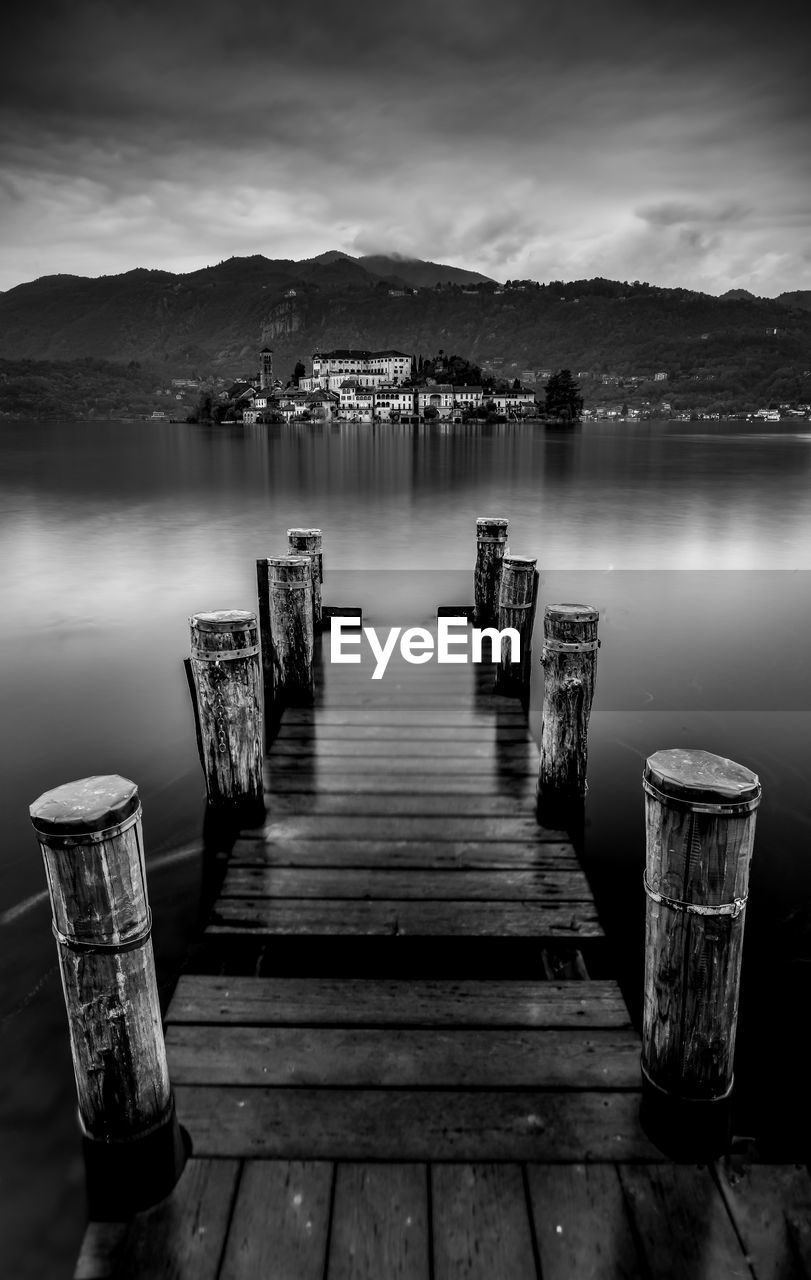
265,369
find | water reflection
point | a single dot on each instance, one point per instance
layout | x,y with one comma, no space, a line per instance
112,535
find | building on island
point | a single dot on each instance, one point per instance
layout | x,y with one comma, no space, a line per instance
439,396
370,368
365,386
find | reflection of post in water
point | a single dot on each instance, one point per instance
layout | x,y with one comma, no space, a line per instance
513,752
560,454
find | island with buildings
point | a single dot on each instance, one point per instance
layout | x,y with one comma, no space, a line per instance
372,386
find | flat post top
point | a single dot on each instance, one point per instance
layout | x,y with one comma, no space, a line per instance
86,806
572,612
700,776
492,526
520,562
224,620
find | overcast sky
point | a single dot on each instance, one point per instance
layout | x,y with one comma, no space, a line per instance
662,141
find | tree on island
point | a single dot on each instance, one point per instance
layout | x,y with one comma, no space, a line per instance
563,398
298,373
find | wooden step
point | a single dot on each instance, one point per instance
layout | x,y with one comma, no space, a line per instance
379,1002
407,1124
529,921
419,884
540,853
412,1058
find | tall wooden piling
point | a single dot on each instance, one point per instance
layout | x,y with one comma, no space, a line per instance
491,547
90,835
569,661
700,814
516,609
308,542
227,680
287,632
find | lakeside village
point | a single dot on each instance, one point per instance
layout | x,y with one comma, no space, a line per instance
391,386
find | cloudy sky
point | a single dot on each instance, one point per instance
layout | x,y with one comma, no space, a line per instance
545,138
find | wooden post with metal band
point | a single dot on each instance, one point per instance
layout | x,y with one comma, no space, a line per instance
287,630
228,684
491,546
516,609
90,836
700,814
308,542
569,661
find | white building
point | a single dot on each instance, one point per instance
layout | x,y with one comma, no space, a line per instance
468,397
370,368
512,403
439,397
394,401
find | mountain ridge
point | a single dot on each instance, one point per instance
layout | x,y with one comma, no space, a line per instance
214,320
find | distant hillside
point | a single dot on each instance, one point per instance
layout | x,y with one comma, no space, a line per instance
801,298
422,275
214,321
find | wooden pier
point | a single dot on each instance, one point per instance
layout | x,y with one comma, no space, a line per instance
398,1050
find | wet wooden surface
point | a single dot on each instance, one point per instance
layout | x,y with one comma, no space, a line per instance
403,1120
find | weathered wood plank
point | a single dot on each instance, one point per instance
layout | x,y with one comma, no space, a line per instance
295,917
182,1237
100,1251
383,777
461,716
392,1057
488,886
581,1223
481,1223
407,803
468,749
484,730
408,826
546,850
395,1124
380,1223
402,693
463,713
765,1202
682,1225
281,1221
382,1002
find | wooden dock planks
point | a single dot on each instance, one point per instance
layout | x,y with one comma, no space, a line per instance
477,1220
364,1127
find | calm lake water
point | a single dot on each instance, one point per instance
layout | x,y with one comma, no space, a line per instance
693,540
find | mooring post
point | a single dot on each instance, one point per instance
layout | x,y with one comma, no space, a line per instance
569,661
516,609
288,661
700,814
227,681
491,546
92,845
308,542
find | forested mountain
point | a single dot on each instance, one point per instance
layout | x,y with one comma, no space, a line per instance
213,321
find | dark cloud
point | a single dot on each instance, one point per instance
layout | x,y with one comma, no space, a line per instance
547,138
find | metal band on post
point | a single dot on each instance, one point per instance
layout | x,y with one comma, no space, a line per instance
700,812
89,833
224,655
